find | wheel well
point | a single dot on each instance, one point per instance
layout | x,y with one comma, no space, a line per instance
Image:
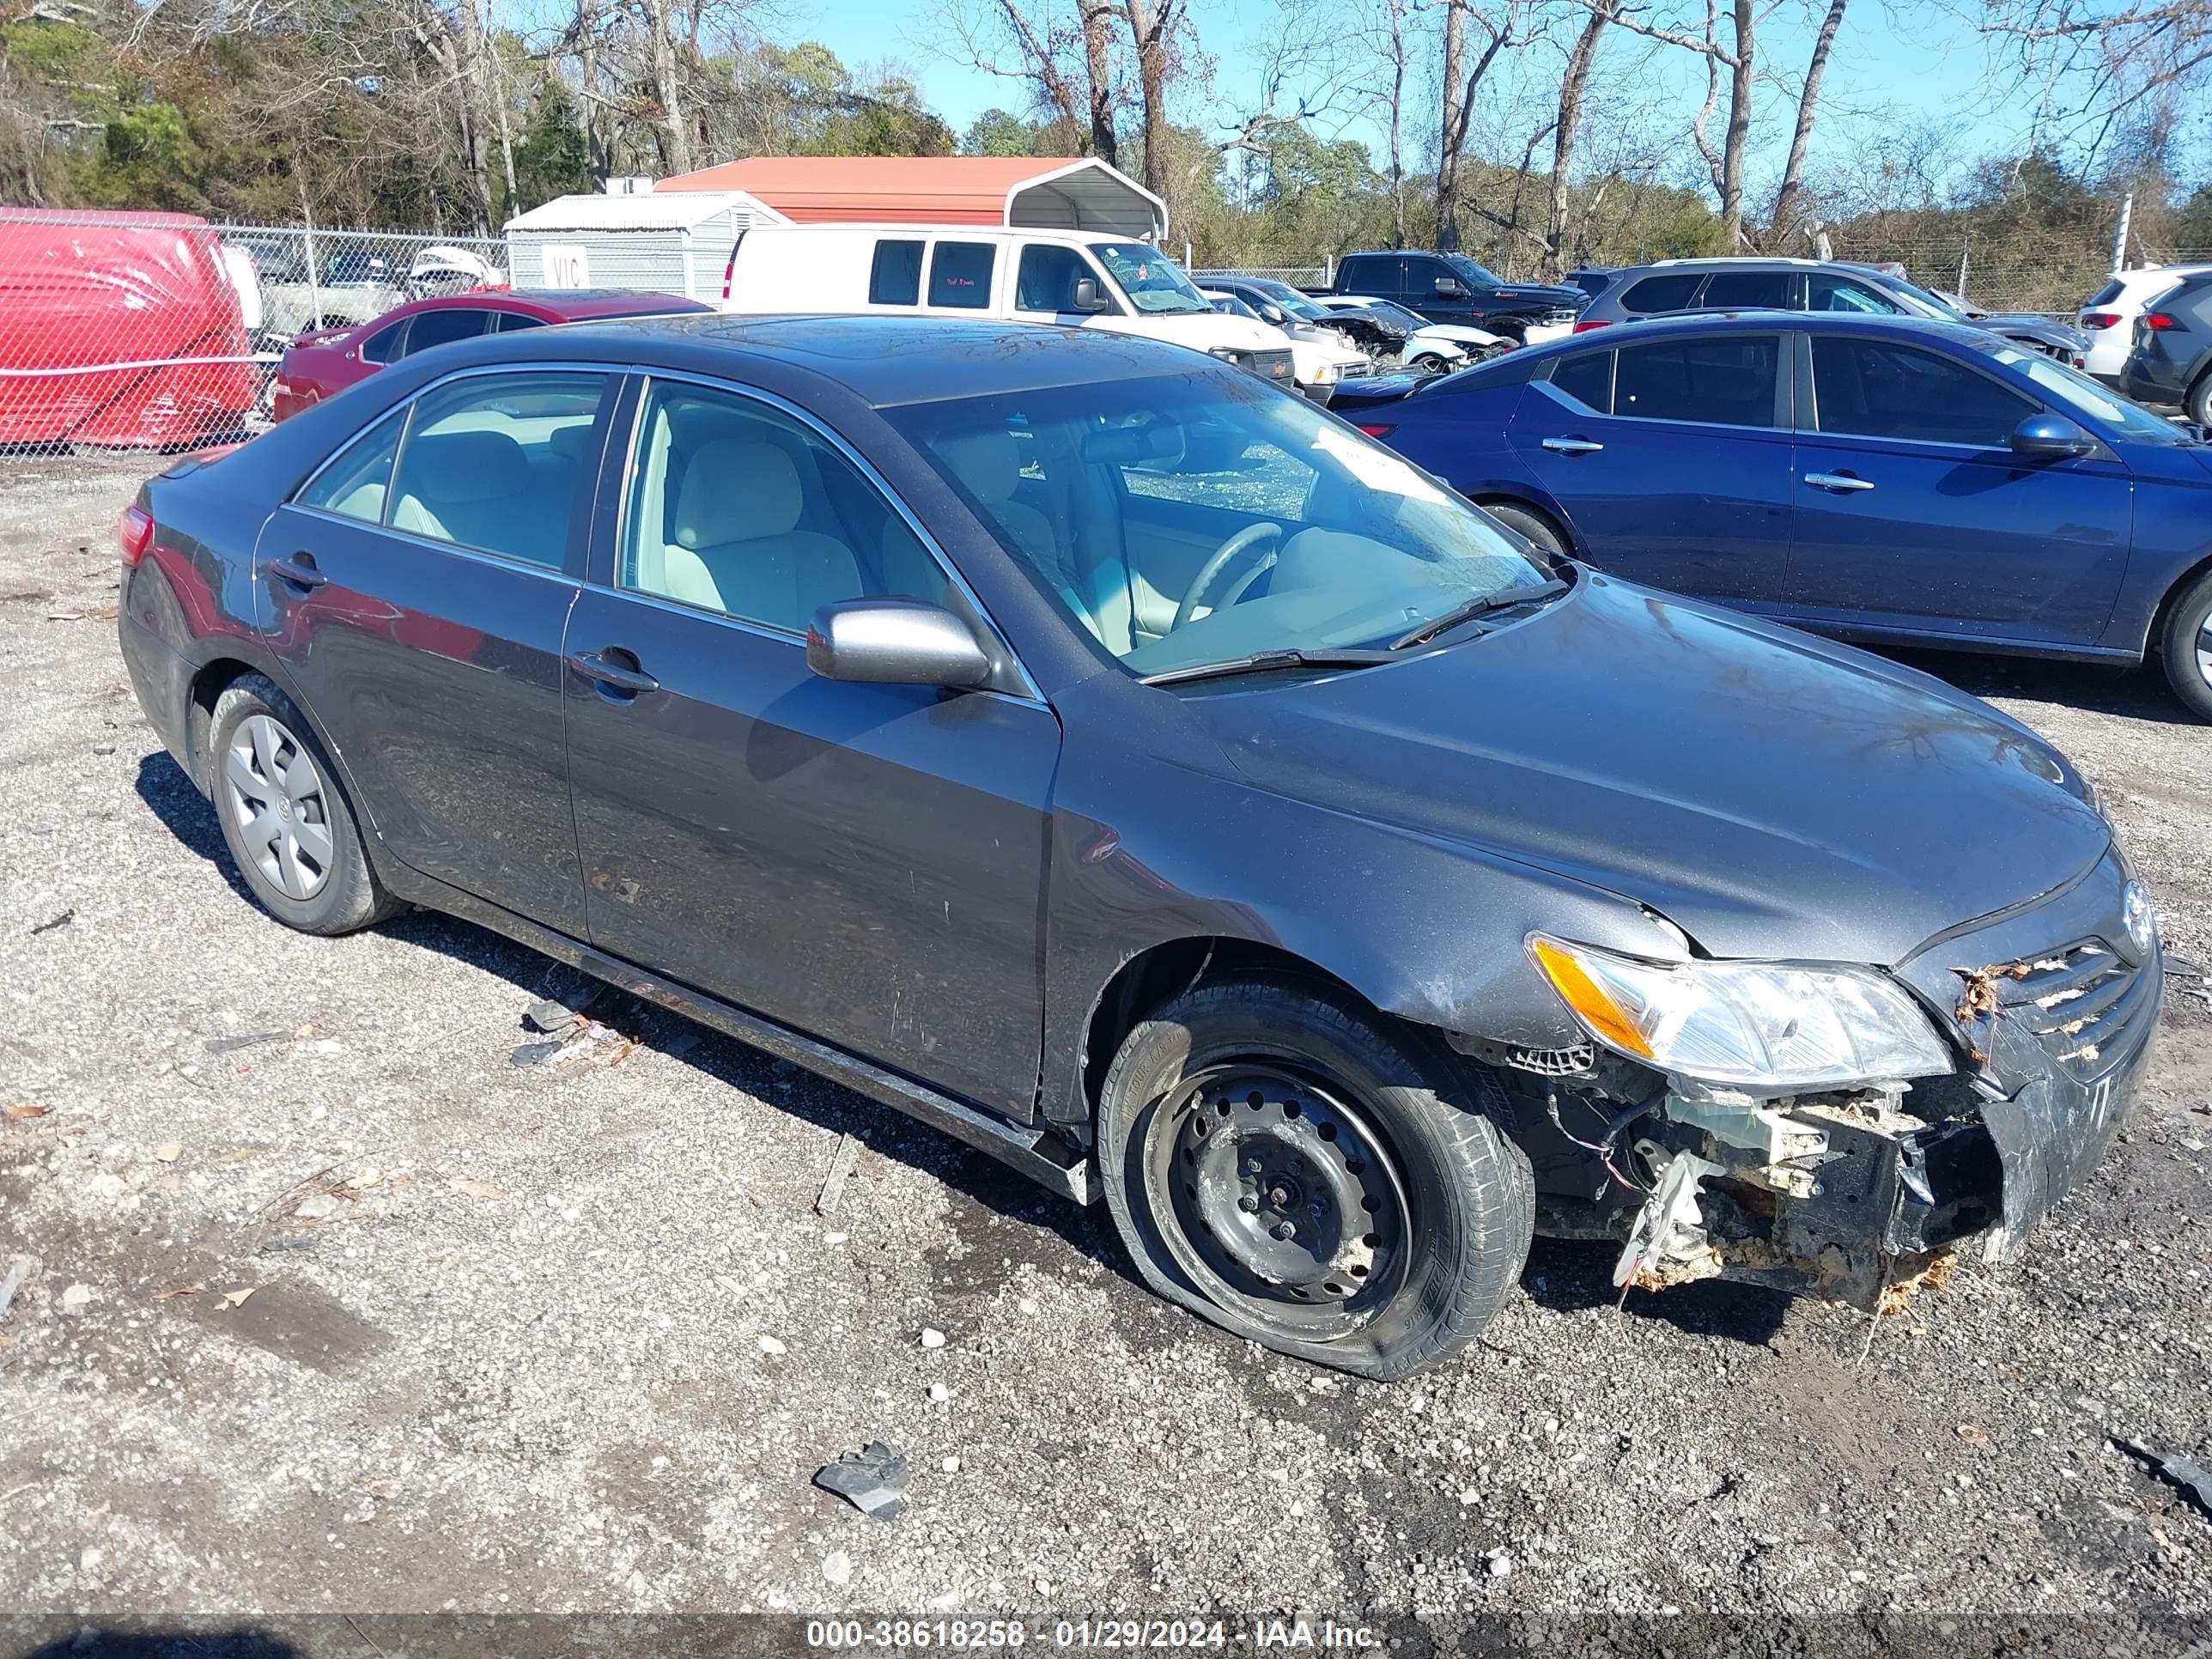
1151,977
2153,642
207,684
1535,511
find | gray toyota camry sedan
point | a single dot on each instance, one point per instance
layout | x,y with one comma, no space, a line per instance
1134,772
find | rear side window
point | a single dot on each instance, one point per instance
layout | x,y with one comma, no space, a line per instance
355,483
1370,273
383,346
437,328
960,275
1744,291
509,321
894,278
1588,379
1669,293
1876,389
495,461
1728,382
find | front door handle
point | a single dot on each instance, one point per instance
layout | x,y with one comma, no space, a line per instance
1571,445
594,666
299,570
1840,483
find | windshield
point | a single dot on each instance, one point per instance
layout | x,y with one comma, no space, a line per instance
1473,274
1197,518
1936,302
2084,397
1289,299
1154,286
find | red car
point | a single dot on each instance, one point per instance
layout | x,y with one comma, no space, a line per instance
324,363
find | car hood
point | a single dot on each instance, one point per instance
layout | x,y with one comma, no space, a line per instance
2041,328
1551,293
1773,794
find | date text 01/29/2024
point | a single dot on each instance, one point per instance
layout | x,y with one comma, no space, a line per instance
1120,1634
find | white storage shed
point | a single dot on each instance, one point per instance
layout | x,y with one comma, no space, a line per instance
654,244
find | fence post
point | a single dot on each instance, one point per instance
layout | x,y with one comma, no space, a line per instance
2120,237
1329,270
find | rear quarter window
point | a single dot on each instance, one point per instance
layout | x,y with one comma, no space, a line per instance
2105,295
1586,378
894,278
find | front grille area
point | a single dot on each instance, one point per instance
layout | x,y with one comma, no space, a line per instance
2083,1004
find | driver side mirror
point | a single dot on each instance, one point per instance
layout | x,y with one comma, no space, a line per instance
2048,437
1450,288
895,642
1272,312
1088,298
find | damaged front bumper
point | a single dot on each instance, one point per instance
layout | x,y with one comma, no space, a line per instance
1853,1194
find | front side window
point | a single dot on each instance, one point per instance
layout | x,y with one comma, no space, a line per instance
895,276
1153,282
1828,292
960,275
1046,278
1728,381
446,325
1333,540
737,508
495,462
1878,389
2083,399
357,480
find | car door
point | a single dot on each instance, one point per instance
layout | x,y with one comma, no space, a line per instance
861,862
1913,514
1670,458
416,592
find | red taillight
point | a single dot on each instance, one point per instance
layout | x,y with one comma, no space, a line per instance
1588,324
1380,431
2158,319
134,533
2094,320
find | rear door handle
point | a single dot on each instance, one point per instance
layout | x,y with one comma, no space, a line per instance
1571,445
1841,483
594,666
299,570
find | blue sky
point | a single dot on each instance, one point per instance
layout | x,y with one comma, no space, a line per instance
1892,64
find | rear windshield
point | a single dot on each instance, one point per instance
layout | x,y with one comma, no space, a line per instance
2106,295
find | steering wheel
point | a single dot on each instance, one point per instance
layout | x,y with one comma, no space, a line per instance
1239,545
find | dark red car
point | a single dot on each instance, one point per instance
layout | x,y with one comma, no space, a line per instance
324,363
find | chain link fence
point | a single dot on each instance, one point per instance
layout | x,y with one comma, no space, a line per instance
161,330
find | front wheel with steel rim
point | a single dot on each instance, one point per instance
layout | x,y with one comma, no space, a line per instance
2185,645
1311,1176
284,814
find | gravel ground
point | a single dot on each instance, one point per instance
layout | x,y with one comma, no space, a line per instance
331,1308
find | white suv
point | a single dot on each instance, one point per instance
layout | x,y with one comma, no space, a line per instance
2108,316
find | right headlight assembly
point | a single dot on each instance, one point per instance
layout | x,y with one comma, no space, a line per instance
1757,1024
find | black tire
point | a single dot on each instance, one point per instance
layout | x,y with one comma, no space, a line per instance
344,894
2197,402
2185,646
1429,363
1540,531
1344,1115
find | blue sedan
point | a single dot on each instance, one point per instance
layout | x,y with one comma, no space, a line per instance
1903,483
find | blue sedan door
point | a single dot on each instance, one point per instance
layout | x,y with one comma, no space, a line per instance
1915,518
1670,458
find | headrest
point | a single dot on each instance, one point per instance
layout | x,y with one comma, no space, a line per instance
445,469
989,462
736,490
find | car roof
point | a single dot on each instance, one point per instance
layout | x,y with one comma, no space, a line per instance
1665,324
885,362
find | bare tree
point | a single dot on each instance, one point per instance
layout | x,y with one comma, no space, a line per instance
1098,66
1499,29
1153,25
1068,73
2097,61
1738,58
1779,222
1574,82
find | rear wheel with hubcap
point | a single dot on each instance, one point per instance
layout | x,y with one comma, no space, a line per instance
1311,1177
284,816
2185,645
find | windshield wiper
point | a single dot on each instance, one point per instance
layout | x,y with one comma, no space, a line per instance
1262,662
1481,605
